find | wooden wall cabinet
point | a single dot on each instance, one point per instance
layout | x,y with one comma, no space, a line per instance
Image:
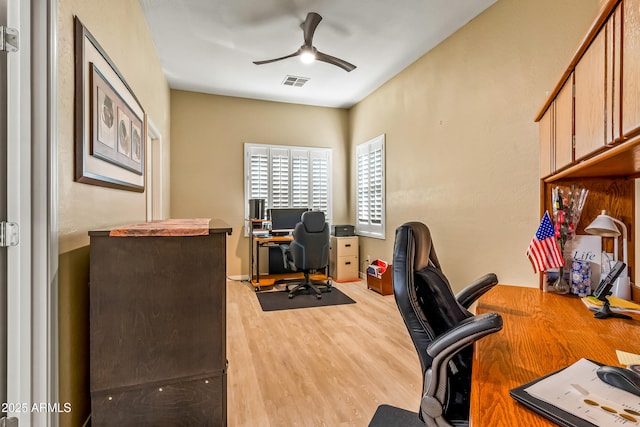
605,126
613,82
158,330
590,99
556,132
631,69
547,142
563,152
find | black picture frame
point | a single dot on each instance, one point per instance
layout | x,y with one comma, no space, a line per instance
110,123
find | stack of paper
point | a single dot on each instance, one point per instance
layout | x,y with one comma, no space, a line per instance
617,304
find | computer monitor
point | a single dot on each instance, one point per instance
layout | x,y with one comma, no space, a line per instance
284,220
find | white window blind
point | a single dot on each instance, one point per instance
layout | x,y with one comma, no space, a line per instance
300,179
297,177
320,175
280,179
370,188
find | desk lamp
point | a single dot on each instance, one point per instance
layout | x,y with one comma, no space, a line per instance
605,226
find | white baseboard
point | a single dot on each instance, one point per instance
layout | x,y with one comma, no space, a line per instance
239,278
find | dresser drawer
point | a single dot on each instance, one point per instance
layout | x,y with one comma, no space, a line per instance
345,268
345,245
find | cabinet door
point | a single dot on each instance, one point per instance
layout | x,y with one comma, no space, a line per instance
546,142
563,116
590,99
631,68
613,91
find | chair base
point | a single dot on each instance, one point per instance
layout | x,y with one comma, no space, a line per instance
309,286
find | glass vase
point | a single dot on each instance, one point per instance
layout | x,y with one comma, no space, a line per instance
560,286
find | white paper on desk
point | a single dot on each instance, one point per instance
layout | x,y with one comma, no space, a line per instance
626,358
557,390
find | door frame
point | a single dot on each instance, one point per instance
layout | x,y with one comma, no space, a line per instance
154,172
32,202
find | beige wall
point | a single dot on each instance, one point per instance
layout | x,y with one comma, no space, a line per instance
121,30
461,144
208,133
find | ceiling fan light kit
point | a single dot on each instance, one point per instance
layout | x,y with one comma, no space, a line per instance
307,55
307,52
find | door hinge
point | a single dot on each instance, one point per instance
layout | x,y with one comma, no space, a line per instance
9,41
9,235
8,422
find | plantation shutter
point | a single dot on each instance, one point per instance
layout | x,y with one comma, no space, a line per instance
258,173
320,182
370,188
299,178
279,178
375,184
363,183
296,177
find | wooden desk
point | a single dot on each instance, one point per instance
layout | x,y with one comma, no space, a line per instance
542,333
271,279
254,258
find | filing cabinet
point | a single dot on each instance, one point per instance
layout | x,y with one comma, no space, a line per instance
343,261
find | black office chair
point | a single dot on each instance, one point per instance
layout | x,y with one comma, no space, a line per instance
308,252
440,326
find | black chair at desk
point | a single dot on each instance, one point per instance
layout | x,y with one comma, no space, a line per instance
308,252
441,327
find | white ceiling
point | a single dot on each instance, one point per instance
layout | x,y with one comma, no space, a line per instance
209,45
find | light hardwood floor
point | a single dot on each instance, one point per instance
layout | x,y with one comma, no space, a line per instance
323,366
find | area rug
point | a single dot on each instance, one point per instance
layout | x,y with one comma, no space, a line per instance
390,416
279,300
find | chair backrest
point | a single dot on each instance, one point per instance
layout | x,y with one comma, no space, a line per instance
422,292
310,246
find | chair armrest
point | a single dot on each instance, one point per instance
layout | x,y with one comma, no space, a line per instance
476,289
467,332
442,349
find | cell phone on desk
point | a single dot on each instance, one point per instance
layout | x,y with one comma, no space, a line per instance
604,288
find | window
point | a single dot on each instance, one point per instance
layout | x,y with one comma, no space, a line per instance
370,188
288,177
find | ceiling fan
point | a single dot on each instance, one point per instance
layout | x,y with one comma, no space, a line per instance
307,52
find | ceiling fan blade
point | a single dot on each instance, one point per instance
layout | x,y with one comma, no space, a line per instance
335,61
309,27
277,59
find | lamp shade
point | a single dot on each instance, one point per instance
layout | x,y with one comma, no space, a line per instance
604,226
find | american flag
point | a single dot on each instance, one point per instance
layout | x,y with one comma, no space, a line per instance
543,251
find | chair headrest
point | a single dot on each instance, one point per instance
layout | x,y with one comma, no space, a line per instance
313,221
425,251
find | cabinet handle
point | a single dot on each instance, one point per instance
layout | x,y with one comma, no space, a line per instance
347,245
348,263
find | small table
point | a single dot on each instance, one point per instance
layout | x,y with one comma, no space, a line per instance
542,333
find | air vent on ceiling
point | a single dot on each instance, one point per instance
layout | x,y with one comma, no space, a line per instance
295,81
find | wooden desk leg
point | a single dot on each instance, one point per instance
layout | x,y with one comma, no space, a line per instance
251,243
257,287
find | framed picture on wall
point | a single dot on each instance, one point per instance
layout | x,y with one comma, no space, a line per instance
115,128
109,120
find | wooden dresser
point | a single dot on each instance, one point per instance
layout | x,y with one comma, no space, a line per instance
158,325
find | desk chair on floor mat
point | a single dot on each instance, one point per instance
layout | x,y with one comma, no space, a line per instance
308,252
441,327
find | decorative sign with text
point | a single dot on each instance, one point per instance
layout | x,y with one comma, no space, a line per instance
586,248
